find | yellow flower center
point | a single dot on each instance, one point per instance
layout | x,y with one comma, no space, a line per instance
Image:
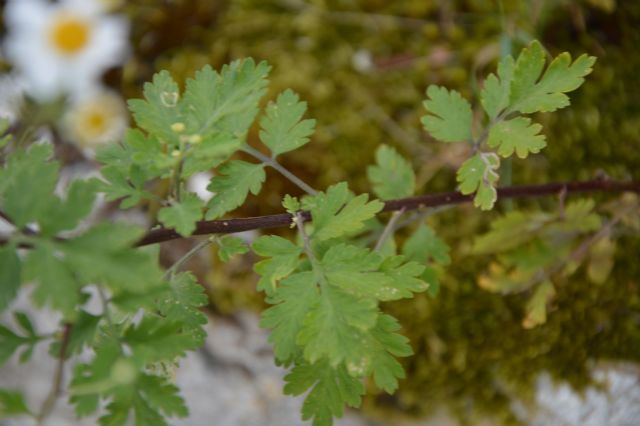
69,34
96,122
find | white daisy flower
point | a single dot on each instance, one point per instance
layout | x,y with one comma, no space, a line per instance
94,119
63,47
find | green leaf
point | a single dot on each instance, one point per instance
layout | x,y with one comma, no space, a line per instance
530,93
282,128
355,270
9,343
386,344
237,178
127,167
496,91
12,403
66,214
393,176
405,279
292,301
56,285
83,333
517,134
28,185
105,254
183,215
9,275
331,389
155,339
225,102
478,174
230,246
284,260
424,246
536,309
161,395
334,216
181,302
451,116
335,324
510,230
160,109
291,204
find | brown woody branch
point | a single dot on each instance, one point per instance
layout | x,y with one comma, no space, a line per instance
411,203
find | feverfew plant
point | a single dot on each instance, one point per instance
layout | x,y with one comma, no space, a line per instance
325,288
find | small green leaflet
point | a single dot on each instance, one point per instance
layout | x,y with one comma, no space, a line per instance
424,245
237,178
65,214
284,260
291,204
27,187
12,403
282,128
226,102
105,255
451,116
160,109
392,177
334,215
56,284
183,215
111,376
9,275
181,301
128,166
10,342
385,344
478,174
530,93
334,325
496,90
365,274
230,246
295,296
517,134
155,339
332,388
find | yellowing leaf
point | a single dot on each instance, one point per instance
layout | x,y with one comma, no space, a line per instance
536,309
478,174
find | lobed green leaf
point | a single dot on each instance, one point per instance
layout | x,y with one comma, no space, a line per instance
282,127
450,117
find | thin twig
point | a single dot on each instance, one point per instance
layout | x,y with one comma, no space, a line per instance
389,229
56,387
230,226
283,171
202,244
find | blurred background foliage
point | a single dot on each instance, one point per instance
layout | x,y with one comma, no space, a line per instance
363,67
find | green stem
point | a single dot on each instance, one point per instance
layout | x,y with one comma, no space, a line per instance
283,171
389,229
202,244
